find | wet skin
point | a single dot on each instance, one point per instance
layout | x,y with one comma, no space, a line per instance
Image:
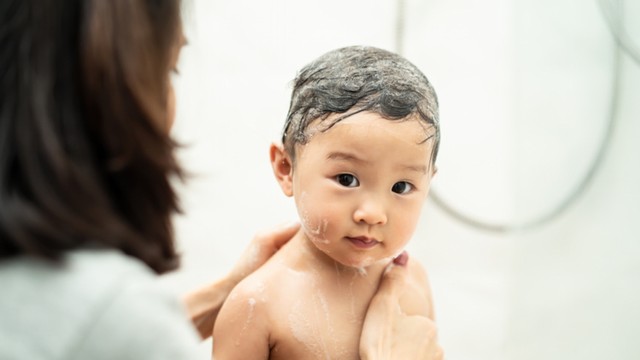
359,188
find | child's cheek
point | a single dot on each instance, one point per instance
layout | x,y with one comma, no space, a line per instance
314,224
317,231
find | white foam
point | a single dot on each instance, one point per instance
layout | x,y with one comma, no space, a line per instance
252,305
362,271
305,333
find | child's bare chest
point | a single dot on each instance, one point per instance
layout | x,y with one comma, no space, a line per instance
319,323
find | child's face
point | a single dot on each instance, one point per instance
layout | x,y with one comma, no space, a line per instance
359,187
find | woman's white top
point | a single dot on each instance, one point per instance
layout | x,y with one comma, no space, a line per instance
97,304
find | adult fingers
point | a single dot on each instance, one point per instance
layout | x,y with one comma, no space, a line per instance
377,337
394,277
277,237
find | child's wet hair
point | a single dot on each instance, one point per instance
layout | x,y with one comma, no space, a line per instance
358,78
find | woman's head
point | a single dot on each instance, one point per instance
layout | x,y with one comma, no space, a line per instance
85,156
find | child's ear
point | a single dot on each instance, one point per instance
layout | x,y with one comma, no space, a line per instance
282,167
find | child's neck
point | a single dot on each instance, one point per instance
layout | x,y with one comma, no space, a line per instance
313,259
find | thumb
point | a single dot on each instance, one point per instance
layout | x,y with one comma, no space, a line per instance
394,278
276,238
384,308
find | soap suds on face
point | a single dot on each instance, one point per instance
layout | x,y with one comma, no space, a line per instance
319,229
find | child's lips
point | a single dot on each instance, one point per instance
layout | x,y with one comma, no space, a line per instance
363,242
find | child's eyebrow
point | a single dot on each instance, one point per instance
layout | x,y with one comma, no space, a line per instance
417,168
338,155
343,156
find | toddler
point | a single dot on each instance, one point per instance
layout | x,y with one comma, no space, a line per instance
357,155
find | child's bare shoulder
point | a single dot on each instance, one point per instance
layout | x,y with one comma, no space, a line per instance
267,289
268,282
244,324
253,290
252,316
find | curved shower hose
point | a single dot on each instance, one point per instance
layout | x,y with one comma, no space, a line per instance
612,12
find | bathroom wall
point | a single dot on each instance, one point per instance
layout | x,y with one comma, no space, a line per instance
525,90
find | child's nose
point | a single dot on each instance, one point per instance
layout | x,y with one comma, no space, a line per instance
371,212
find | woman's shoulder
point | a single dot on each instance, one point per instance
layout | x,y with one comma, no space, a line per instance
81,279
92,299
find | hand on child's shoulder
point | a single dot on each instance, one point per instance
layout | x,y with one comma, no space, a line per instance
416,299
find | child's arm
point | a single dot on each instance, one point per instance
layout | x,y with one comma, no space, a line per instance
241,330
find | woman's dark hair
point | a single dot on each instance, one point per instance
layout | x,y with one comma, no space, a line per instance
85,155
353,79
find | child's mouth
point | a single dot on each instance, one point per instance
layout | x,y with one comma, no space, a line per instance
363,242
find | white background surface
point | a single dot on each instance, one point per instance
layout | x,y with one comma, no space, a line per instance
525,89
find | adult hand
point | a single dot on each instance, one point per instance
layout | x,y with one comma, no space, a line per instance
263,246
388,333
204,304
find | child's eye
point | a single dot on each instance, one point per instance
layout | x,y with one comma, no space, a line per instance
401,187
347,180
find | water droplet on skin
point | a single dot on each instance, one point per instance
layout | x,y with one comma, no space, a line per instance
318,335
252,305
303,331
362,271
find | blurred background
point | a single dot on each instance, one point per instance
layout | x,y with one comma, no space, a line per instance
532,234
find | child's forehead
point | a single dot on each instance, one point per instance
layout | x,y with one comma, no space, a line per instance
421,131
370,134
369,140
